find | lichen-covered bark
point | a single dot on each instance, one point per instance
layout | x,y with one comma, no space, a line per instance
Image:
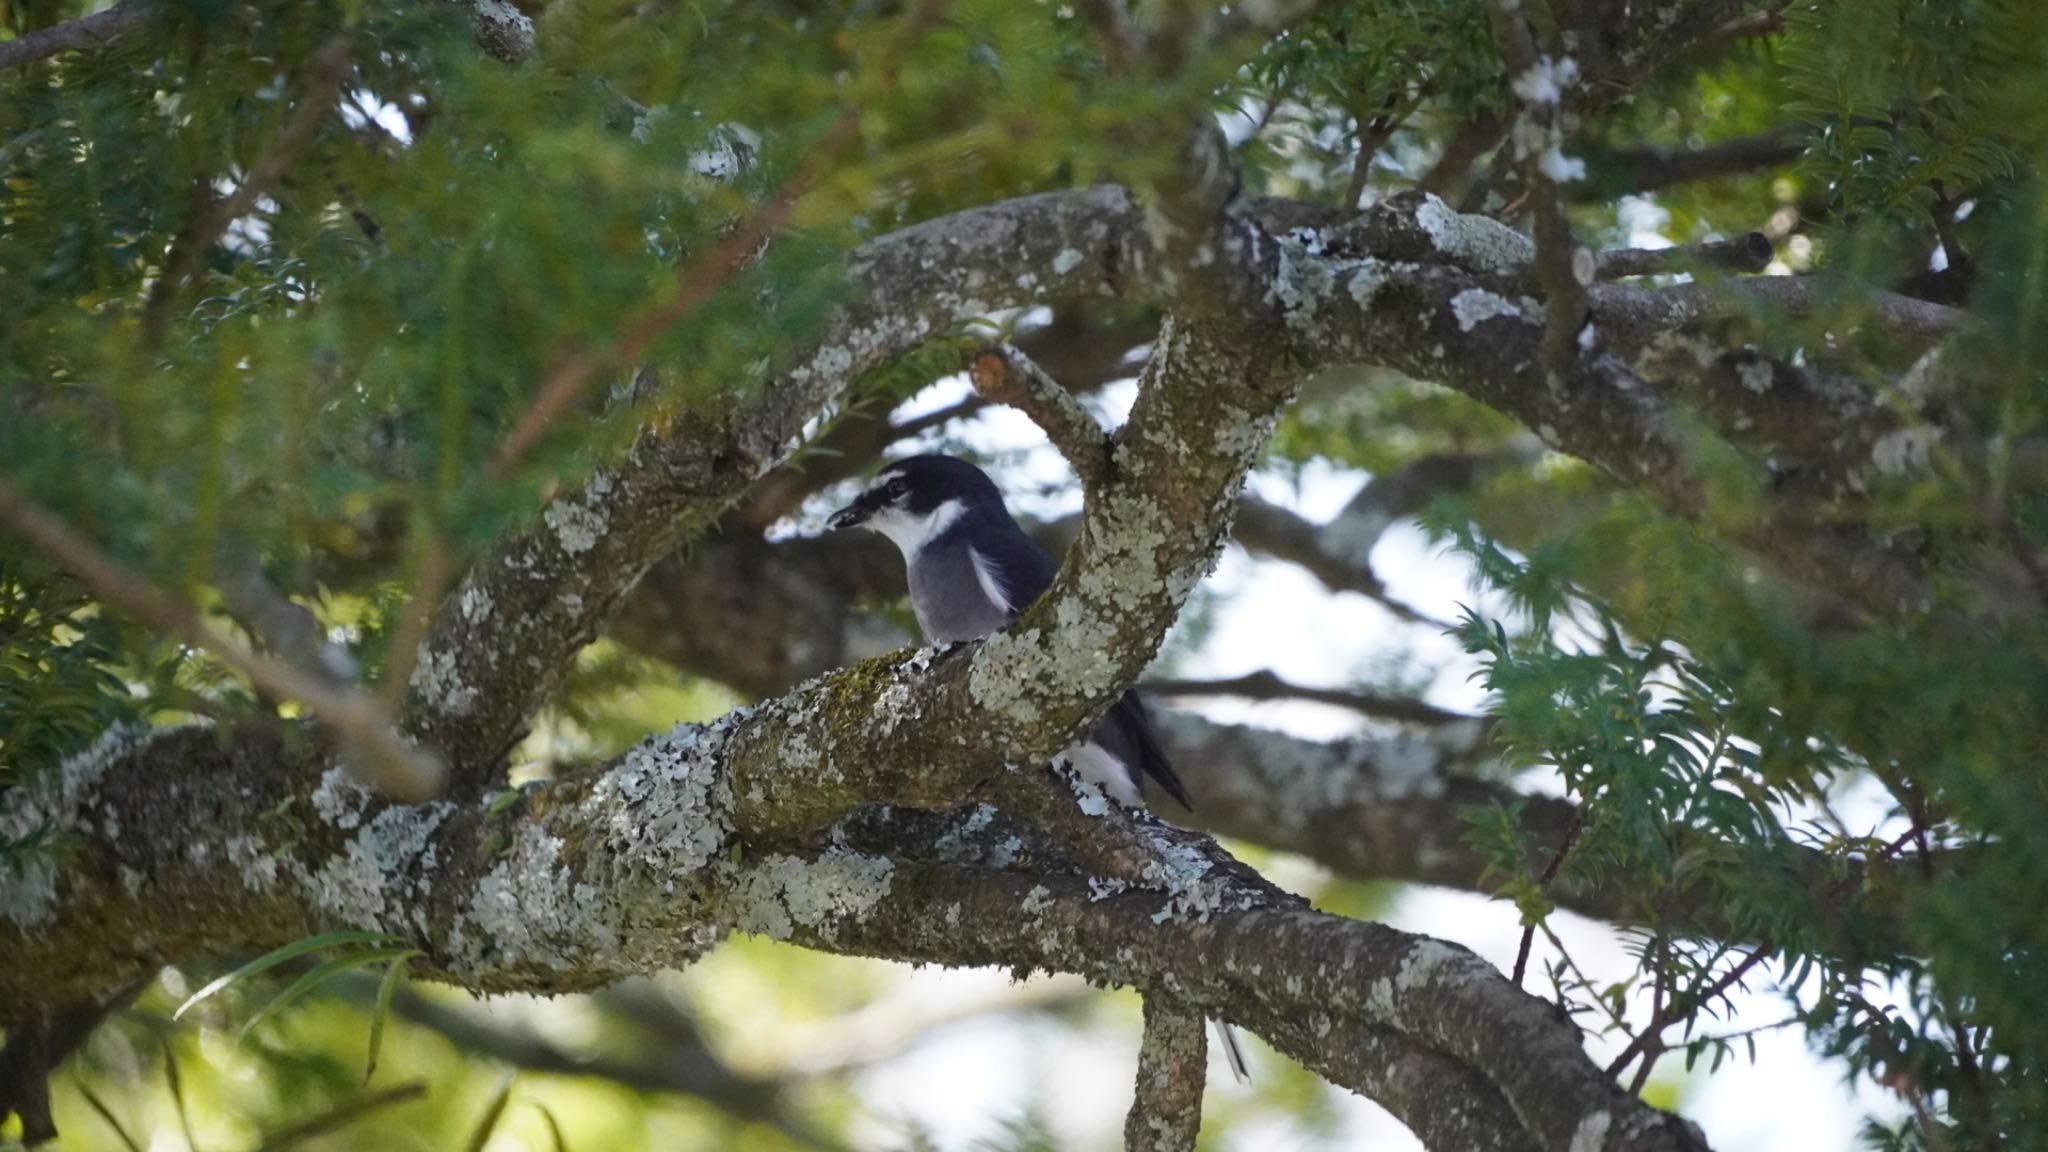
1166,1108
188,843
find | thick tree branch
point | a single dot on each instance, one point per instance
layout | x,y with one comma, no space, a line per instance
1408,285
1639,170
1389,807
1166,1110
85,32
631,867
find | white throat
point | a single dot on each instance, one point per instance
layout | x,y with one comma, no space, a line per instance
912,532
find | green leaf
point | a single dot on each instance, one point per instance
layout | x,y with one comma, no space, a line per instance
394,975
554,1128
492,1111
320,974
273,958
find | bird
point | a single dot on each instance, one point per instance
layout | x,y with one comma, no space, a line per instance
972,570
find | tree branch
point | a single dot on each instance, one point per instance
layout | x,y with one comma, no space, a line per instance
1173,1069
499,643
85,32
630,867
1639,170
1004,375
1267,685
1749,252
1562,268
387,762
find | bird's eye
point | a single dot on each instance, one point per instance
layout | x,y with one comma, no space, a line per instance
895,488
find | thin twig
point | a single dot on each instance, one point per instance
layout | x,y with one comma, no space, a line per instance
1007,376
283,625
1749,252
1563,268
1564,847
1268,685
85,32
387,762
1681,1006
107,1114
1660,986
344,1115
210,216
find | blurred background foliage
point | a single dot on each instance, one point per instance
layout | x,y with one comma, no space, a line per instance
332,387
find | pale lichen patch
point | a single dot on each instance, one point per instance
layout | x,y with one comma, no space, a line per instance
53,804
340,799
576,526
371,875
1479,243
257,867
1409,766
440,684
1299,286
666,808
1591,1134
1905,451
1365,281
528,911
1475,306
776,896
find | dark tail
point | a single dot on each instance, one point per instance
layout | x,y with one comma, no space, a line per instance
1133,722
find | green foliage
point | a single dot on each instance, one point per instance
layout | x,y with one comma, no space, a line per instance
1908,97
1706,755
1409,64
351,950
59,685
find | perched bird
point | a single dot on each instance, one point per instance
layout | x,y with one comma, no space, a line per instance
972,570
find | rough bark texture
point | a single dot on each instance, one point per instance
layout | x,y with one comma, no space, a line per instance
1166,1108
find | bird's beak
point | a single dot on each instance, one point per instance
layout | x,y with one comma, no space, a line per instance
851,516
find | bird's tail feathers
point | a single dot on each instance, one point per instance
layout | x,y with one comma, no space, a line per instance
1226,1038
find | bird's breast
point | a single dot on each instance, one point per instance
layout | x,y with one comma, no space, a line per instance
948,597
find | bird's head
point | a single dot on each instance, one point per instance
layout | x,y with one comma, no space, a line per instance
918,497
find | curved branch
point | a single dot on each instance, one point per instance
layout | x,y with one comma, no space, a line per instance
91,31
638,866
